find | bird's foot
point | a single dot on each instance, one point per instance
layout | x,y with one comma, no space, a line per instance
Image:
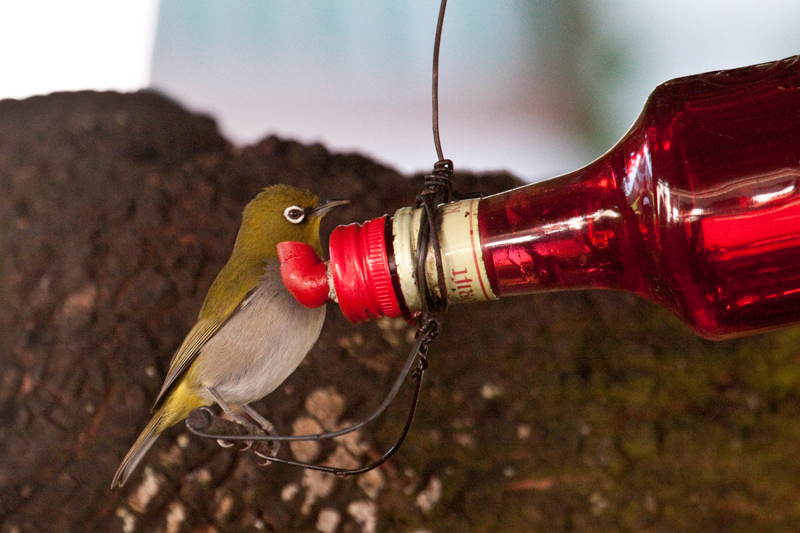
250,428
265,426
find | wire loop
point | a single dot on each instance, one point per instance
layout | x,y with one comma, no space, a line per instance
437,190
203,422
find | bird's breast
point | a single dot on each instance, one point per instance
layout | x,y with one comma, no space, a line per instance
264,341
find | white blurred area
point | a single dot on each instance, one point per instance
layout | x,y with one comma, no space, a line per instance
536,87
68,45
356,76
659,41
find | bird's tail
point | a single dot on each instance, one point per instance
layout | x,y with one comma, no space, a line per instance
182,401
139,448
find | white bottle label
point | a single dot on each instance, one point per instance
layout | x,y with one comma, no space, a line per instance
462,259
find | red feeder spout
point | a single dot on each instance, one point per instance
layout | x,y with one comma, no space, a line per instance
360,271
303,273
359,278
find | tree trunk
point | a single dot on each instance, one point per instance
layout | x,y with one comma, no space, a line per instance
583,411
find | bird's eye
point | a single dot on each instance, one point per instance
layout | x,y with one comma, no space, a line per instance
294,214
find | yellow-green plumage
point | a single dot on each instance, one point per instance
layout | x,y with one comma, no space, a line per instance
250,333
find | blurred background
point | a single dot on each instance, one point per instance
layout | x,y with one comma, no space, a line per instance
536,87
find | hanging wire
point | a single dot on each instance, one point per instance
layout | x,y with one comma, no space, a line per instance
437,190
435,92
205,423
426,334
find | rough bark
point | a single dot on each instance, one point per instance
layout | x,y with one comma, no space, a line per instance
583,411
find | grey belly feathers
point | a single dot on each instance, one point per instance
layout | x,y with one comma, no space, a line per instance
261,344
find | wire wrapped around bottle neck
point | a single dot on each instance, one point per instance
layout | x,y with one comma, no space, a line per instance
439,183
438,189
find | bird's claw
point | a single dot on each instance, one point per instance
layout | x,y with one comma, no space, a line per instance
273,447
261,428
266,427
273,452
244,445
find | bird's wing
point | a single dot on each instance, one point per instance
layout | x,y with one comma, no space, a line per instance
186,354
213,316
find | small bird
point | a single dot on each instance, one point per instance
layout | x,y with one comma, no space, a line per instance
251,333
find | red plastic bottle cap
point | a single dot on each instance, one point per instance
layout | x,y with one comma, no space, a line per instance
303,273
360,270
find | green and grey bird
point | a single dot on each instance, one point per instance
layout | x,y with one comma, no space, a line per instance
251,333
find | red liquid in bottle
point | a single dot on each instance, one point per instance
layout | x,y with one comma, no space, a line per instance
697,208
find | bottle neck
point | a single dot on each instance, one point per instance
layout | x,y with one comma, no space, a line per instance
697,208
466,279
561,234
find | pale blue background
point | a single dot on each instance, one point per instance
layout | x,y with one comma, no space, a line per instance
538,87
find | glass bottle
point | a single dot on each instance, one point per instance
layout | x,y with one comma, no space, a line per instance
697,208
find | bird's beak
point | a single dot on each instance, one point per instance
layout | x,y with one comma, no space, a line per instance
325,206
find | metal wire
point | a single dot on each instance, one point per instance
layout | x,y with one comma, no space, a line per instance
428,330
203,418
435,96
437,190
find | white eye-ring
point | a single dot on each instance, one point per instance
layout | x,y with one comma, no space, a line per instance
294,214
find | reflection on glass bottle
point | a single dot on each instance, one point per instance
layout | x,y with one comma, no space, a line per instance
697,208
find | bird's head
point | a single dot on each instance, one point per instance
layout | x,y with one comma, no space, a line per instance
281,213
